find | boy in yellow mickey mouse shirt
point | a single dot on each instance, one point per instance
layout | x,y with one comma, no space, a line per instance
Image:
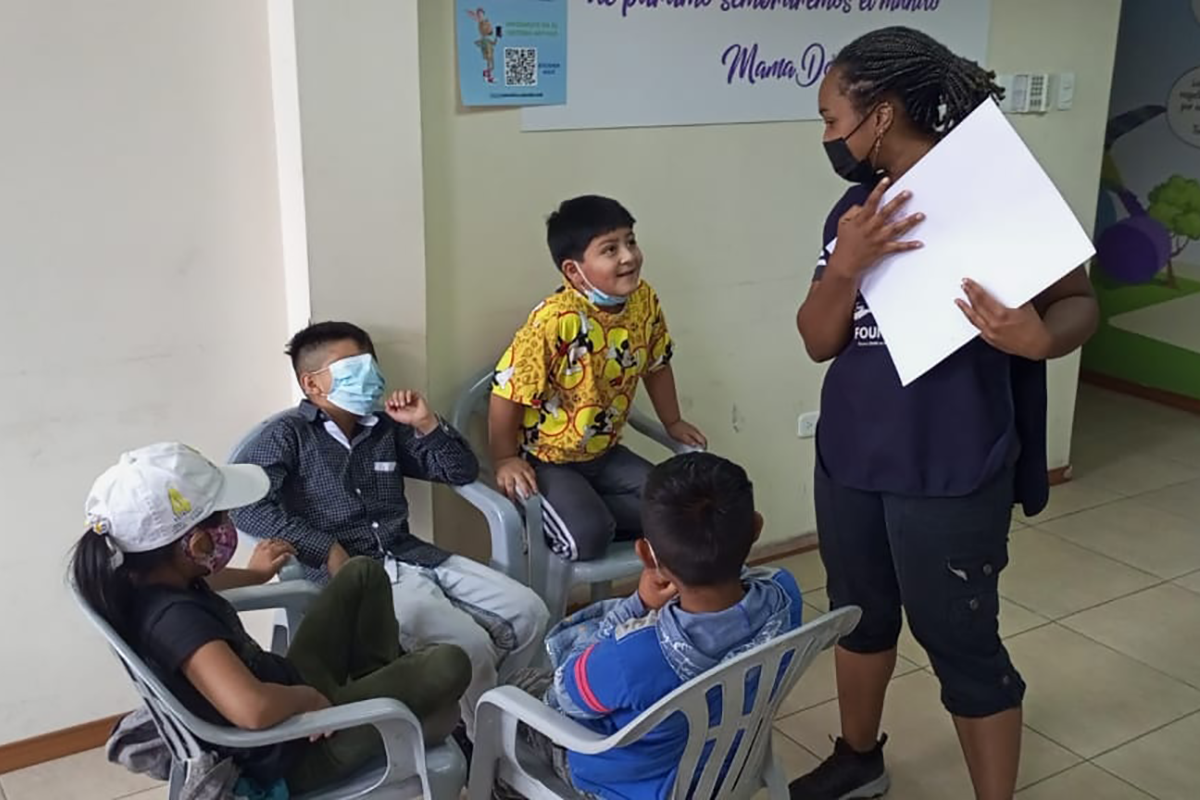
563,389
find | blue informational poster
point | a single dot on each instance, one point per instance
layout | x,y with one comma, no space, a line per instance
512,52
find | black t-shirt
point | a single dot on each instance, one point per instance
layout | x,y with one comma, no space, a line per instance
171,624
946,434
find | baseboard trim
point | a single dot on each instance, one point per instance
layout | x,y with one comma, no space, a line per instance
56,744
1060,475
1160,396
797,545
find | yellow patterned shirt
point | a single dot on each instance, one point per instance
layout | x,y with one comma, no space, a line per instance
575,368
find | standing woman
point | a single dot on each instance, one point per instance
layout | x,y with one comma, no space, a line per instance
915,485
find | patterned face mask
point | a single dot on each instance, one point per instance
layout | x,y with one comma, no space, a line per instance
224,539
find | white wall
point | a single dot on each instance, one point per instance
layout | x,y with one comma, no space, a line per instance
142,294
729,218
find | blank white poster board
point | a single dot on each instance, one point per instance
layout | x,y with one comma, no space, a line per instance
992,215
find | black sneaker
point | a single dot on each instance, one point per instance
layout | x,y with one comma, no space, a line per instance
845,775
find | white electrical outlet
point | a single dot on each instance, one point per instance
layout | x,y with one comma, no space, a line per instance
1066,91
806,427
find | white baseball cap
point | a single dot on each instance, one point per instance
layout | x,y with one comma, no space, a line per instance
156,494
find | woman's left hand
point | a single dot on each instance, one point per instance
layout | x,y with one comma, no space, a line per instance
1016,331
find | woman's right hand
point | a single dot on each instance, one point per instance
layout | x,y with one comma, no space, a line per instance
869,232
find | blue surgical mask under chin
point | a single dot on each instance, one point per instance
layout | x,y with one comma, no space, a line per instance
599,298
357,384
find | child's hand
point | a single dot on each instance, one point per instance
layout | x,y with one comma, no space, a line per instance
516,478
311,700
268,558
409,408
655,590
686,433
337,559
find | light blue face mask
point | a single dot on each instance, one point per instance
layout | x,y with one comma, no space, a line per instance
357,384
599,298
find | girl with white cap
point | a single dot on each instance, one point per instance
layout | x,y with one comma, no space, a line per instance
154,556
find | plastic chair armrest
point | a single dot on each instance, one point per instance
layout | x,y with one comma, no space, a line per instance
292,570
652,429
284,594
504,527
391,717
563,731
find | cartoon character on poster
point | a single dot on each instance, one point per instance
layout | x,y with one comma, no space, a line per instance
489,34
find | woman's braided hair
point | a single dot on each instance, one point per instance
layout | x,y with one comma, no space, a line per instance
937,88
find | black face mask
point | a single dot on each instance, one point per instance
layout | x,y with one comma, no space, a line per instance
843,161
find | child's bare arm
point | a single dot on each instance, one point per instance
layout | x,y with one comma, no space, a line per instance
514,476
660,385
240,697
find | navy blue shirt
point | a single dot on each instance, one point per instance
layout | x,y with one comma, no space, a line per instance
947,433
326,488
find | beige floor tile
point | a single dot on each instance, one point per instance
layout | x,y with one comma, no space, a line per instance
1070,498
1083,782
86,775
1015,619
1163,763
923,753
1136,423
1191,582
1132,475
909,648
1182,500
1136,534
1089,698
796,760
817,600
806,568
1054,578
154,794
819,684
1157,627
1181,444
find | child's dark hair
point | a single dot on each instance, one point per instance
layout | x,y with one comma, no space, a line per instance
698,515
937,88
578,221
305,347
109,590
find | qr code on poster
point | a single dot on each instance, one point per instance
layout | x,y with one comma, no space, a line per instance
520,66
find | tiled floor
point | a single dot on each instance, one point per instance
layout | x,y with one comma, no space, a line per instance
1101,612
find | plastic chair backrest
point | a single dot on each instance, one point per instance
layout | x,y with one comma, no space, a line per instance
174,722
254,433
740,738
472,401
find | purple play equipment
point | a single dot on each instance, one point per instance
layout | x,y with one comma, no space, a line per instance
1135,249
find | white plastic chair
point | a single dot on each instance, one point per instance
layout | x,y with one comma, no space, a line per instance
548,574
504,526
501,753
409,770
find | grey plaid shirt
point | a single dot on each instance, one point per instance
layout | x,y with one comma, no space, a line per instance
324,492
